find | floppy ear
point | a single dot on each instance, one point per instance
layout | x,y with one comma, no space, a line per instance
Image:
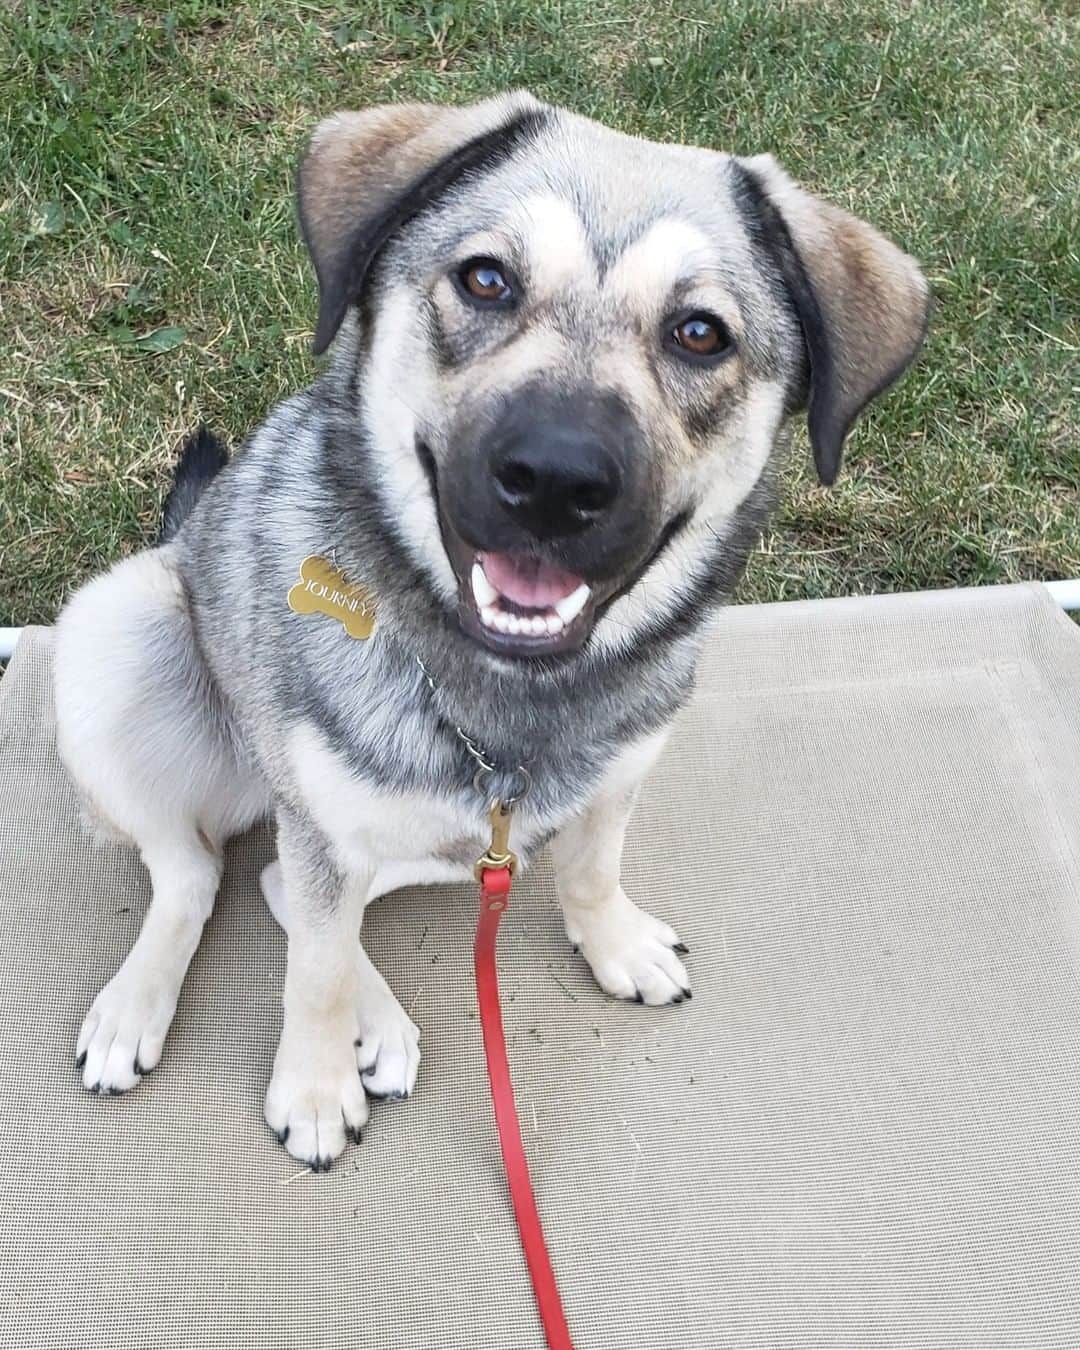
366,174
862,304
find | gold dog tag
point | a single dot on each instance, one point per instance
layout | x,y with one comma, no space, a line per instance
322,589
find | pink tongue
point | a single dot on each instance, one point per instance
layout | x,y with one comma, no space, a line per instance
528,581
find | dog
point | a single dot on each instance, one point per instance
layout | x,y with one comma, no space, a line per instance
563,362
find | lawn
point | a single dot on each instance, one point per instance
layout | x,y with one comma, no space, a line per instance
153,278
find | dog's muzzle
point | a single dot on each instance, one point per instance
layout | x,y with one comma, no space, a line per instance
545,512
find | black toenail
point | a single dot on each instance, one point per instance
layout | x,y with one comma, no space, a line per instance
358,1044
281,1135
681,948
639,997
677,999
81,1060
353,1134
687,993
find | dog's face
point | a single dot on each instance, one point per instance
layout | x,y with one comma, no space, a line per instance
577,349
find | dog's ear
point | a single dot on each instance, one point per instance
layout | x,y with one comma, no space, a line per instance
862,303
366,174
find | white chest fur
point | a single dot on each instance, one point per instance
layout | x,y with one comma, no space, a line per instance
396,838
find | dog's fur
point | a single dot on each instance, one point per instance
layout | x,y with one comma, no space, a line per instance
191,701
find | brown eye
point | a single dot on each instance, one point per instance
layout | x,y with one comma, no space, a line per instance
701,335
483,279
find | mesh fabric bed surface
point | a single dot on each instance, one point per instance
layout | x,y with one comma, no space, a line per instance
863,1131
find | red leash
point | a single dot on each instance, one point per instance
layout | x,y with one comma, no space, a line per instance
494,898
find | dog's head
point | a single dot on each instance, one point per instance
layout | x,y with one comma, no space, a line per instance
576,349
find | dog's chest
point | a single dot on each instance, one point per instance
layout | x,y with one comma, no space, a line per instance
399,837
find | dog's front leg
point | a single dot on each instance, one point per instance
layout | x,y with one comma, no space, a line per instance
316,1099
631,954
387,1039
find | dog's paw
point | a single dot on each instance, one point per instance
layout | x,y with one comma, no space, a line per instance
123,1033
631,954
315,1101
387,1047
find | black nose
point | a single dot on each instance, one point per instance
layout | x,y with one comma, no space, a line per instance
555,481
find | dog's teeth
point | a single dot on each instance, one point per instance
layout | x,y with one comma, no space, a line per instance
483,590
492,615
571,606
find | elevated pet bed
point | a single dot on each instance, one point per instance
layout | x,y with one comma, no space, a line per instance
864,1131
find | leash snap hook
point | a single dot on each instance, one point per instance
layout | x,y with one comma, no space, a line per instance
498,857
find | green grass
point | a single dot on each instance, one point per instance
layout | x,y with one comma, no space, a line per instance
152,275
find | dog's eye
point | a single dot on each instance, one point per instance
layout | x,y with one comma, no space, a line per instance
483,279
701,335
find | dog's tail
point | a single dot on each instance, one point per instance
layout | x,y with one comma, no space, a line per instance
202,458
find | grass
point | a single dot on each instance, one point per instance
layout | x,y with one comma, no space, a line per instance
152,275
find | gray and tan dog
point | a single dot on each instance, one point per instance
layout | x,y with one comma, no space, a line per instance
544,445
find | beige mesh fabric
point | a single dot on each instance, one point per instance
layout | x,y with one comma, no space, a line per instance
864,1131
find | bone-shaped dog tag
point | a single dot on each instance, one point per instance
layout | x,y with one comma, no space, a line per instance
322,589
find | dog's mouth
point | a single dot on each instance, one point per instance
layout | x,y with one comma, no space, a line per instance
527,598
518,604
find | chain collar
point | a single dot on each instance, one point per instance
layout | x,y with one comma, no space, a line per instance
521,779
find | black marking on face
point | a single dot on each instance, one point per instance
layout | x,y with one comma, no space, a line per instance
475,336
703,416
446,358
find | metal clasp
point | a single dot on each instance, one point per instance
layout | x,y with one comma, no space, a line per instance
498,854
